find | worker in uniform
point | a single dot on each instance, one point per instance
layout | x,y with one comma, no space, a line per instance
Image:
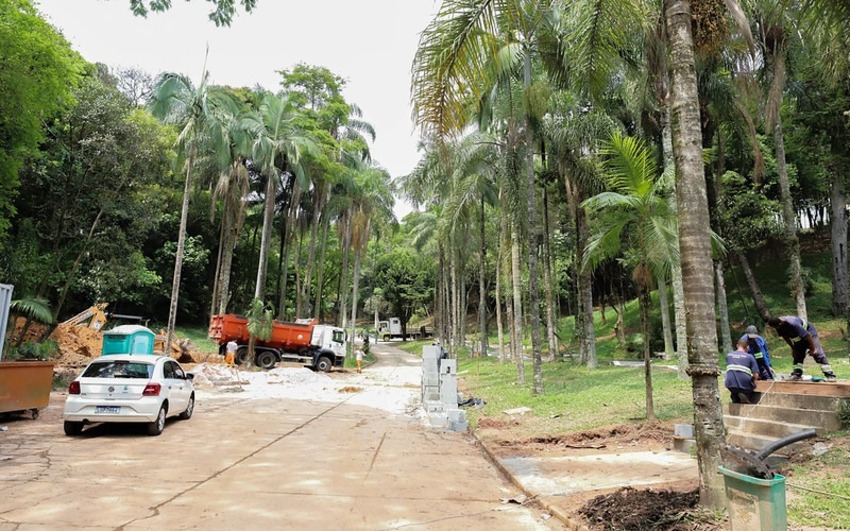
758,348
359,357
230,355
802,337
742,371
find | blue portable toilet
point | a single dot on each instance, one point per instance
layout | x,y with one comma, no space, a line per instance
128,339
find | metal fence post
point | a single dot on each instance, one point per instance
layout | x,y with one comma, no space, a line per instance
5,302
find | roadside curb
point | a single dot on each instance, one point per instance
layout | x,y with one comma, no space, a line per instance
556,511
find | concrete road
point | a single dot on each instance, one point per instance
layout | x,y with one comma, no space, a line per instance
262,464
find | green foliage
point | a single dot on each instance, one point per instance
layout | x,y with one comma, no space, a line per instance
222,15
37,74
844,413
33,350
406,280
260,320
743,201
34,308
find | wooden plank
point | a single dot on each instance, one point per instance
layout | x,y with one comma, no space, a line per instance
836,389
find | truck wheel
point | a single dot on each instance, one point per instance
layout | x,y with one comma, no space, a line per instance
241,355
266,360
386,338
324,364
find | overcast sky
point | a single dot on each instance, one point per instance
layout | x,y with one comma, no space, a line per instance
370,43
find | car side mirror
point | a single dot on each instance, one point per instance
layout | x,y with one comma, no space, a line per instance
190,376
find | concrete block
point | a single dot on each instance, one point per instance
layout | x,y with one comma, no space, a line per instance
686,431
433,406
821,419
438,420
432,352
683,444
448,367
456,415
770,428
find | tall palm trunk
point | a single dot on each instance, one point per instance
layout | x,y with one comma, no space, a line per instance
585,290
551,320
723,307
664,303
789,219
676,273
178,256
355,286
516,280
343,273
501,259
644,303
752,283
265,239
533,237
695,249
288,232
216,293
499,327
482,285
838,202
455,298
320,273
311,254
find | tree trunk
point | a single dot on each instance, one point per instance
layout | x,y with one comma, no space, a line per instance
311,253
265,239
499,327
72,274
288,231
723,307
755,290
299,278
838,202
669,352
320,273
644,302
482,286
355,283
695,249
516,279
551,320
533,243
216,294
343,273
798,288
585,288
178,256
619,328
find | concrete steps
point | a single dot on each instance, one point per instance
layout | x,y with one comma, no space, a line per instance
782,409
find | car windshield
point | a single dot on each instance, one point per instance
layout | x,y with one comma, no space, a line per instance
119,369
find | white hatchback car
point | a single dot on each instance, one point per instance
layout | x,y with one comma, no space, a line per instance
129,388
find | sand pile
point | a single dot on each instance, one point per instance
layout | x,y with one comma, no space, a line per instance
77,345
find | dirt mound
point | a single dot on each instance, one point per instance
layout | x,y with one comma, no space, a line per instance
629,509
625,434
77,345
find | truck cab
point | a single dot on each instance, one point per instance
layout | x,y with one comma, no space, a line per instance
329,338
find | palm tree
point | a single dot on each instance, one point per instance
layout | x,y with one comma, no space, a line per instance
195,111
278,143
374,198
695,249
634,209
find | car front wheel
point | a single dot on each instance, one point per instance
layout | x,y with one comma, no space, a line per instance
156,427
73,428
190,408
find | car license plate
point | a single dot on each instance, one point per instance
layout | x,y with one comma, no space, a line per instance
110,410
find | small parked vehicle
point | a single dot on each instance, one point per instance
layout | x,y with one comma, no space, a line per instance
129,388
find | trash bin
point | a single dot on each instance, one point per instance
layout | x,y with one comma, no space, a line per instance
755,503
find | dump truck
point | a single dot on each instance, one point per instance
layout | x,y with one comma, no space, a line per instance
391,329
320,346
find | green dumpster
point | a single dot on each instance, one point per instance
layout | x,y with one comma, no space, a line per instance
754,503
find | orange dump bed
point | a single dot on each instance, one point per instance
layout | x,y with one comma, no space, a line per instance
289,337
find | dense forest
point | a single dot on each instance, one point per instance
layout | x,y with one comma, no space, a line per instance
573,155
